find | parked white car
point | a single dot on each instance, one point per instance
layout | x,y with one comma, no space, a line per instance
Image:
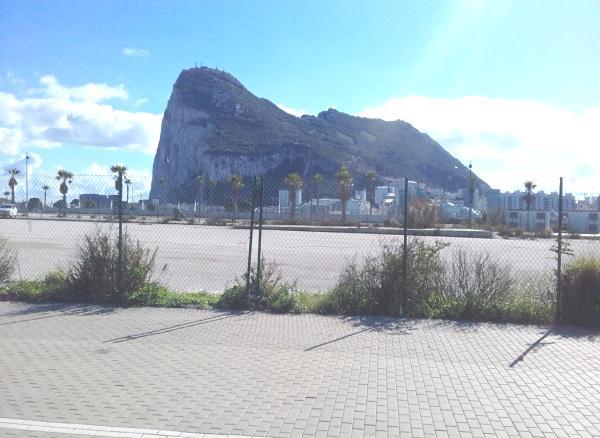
8,210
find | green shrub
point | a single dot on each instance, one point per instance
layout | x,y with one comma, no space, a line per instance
93,278
480,288
50,289
421,214
270,294
580,300
473,287
8,260
351,295
533,300
377,287
307,302
481,285
152,294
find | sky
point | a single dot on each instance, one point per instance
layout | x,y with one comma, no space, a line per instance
511,86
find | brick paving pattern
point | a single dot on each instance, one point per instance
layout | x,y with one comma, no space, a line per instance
294,375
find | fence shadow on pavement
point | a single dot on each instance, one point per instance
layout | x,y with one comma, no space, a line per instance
57,309
397,326
533,347
176,327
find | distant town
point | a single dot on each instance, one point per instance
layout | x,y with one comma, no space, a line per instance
526,210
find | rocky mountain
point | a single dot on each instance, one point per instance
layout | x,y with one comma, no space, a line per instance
214,126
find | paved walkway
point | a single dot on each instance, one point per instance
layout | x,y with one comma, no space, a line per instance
81,371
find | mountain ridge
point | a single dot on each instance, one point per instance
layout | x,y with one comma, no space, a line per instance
214,126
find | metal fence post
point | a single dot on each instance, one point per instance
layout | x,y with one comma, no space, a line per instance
120,242
261,192
405,253
559,252
250,240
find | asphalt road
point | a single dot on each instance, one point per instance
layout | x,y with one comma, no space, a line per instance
198,257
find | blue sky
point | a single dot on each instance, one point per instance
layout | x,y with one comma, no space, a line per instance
511,85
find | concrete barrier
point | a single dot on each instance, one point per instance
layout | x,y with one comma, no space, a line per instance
441,232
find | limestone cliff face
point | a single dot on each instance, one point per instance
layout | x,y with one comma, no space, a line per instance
213,126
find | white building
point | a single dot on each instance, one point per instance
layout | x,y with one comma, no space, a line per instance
450,211
381,192
361,194
357,207
533,220
541,201
582,222
284,199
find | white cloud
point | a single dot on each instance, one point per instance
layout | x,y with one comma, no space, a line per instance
74,115
509,141
85,93
34,162
292,111
95,178
99,179
138,53
11,79
139,102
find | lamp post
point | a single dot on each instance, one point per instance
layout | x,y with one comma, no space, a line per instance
470,194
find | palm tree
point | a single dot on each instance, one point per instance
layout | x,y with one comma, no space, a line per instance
211,189
12,182
294,182
528,197
371,178
201,180
128,183
344,178
45,189
318,182
67,178
6,194
120,170
235,185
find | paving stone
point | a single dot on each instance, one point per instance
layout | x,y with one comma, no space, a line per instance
250,374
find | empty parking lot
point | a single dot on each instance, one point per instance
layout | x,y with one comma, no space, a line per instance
199,257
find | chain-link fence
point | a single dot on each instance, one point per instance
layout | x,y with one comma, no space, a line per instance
312,228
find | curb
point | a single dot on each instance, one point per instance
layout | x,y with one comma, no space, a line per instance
432,232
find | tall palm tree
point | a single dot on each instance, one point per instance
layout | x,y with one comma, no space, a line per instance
66,178
318,182
235,186
371,179
201,180
294,182
528,197
344,179
45,189
120,171
128,183
211,189
12,182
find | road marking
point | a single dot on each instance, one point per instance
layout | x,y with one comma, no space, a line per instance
104,431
